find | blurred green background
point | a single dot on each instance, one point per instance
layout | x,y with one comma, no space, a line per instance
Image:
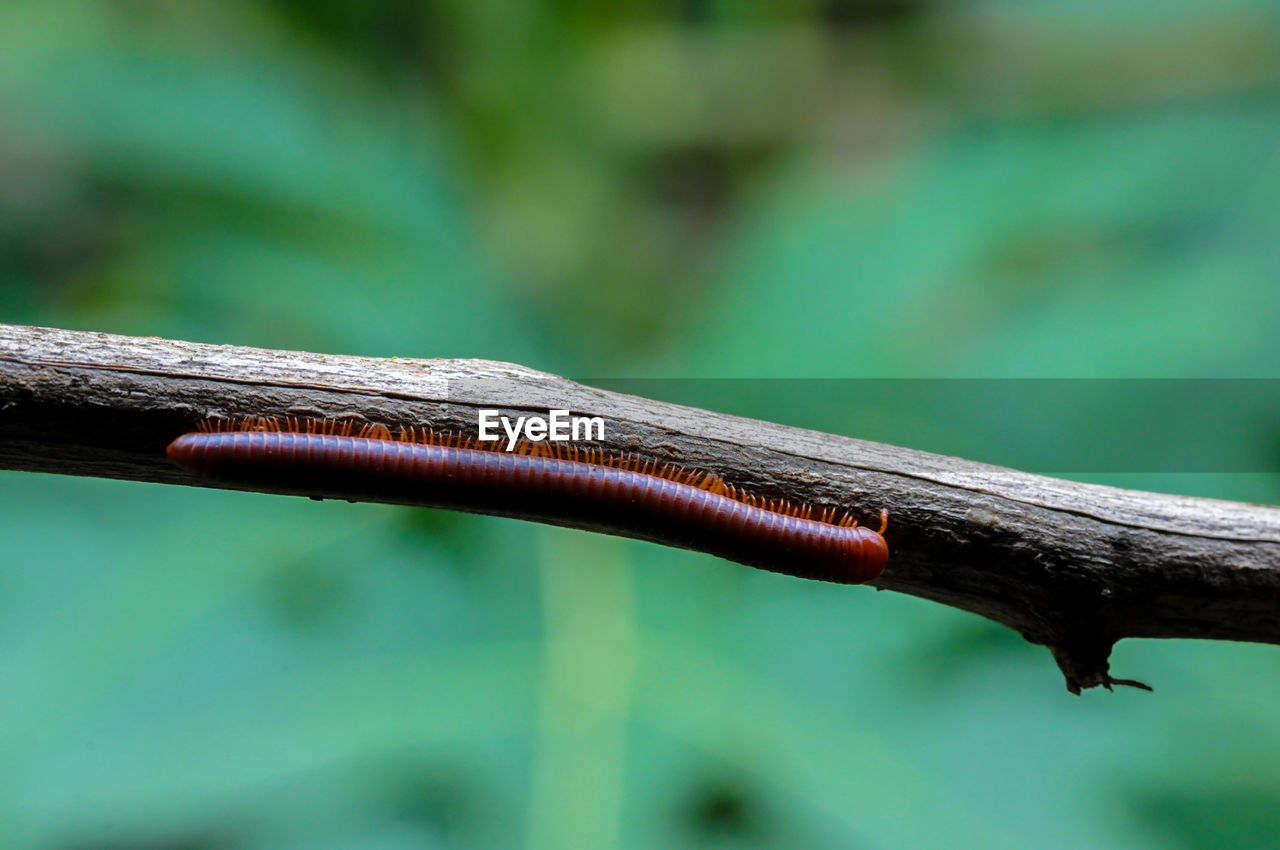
695,189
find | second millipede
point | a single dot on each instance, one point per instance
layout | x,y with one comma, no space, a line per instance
553,483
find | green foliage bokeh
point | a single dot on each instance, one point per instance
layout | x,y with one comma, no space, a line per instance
811,189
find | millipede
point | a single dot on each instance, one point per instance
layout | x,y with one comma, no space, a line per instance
557,483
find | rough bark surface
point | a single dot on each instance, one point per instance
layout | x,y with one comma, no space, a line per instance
1075,567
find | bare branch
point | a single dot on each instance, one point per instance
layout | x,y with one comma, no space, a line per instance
1074,567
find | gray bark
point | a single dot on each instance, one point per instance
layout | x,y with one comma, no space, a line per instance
1072,566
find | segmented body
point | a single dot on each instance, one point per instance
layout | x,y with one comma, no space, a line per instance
587,488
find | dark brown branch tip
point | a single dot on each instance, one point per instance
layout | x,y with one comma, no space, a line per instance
1128,683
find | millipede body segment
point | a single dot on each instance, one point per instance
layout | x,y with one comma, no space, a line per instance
556,483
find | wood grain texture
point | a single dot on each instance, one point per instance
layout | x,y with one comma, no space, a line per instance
1074,567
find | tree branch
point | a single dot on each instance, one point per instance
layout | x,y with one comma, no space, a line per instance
1074,567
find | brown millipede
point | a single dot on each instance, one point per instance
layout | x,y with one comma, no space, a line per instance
551,482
